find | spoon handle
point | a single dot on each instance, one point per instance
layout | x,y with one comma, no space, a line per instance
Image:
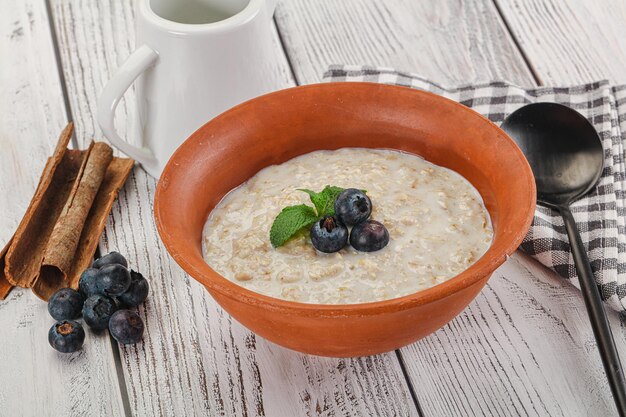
597,315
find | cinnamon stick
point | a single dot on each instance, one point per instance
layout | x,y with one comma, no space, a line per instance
58,236
63,241
24,256
114,179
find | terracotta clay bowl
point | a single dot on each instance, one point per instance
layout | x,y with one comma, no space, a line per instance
276,127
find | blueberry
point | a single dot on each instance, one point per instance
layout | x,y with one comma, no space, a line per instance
352,206
329,235
65,304
137,292
87,284
369,236
112,280
118,303
66,336
126,327
97,311
110,259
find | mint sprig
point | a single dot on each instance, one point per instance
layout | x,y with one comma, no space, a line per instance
292,219
324,201
289,221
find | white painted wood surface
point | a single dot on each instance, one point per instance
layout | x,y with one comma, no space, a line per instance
452,41
524,347
571,41
34,379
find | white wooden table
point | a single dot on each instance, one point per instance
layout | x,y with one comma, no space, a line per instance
523,347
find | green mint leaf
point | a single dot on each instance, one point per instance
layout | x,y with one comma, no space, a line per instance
324,201
289,222
331,193
312,195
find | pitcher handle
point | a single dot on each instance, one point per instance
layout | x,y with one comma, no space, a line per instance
137,62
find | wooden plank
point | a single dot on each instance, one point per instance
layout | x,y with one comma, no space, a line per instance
524,346
452,42
572,41
194,358
35,379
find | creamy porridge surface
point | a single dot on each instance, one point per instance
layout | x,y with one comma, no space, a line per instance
437,224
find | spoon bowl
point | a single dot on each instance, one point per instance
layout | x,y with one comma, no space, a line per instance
563,150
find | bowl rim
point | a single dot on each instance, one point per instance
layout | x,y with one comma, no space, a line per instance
479,270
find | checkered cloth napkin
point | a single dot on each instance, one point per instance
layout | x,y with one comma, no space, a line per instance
601,215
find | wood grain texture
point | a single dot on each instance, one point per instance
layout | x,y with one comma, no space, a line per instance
524,346
35,380
572,41
194,359
451,41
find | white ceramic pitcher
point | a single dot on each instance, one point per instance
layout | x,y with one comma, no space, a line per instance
196,59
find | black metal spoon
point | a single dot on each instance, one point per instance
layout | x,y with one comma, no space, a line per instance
566,157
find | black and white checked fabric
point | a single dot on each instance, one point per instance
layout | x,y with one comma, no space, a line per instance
601,216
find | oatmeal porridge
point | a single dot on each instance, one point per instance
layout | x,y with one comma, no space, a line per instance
437,223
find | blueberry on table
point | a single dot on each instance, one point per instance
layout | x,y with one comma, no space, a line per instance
65,304
137,292
66,336
87,283
352,206
369,236
329,235
110,259
126,327
113,280
98,310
